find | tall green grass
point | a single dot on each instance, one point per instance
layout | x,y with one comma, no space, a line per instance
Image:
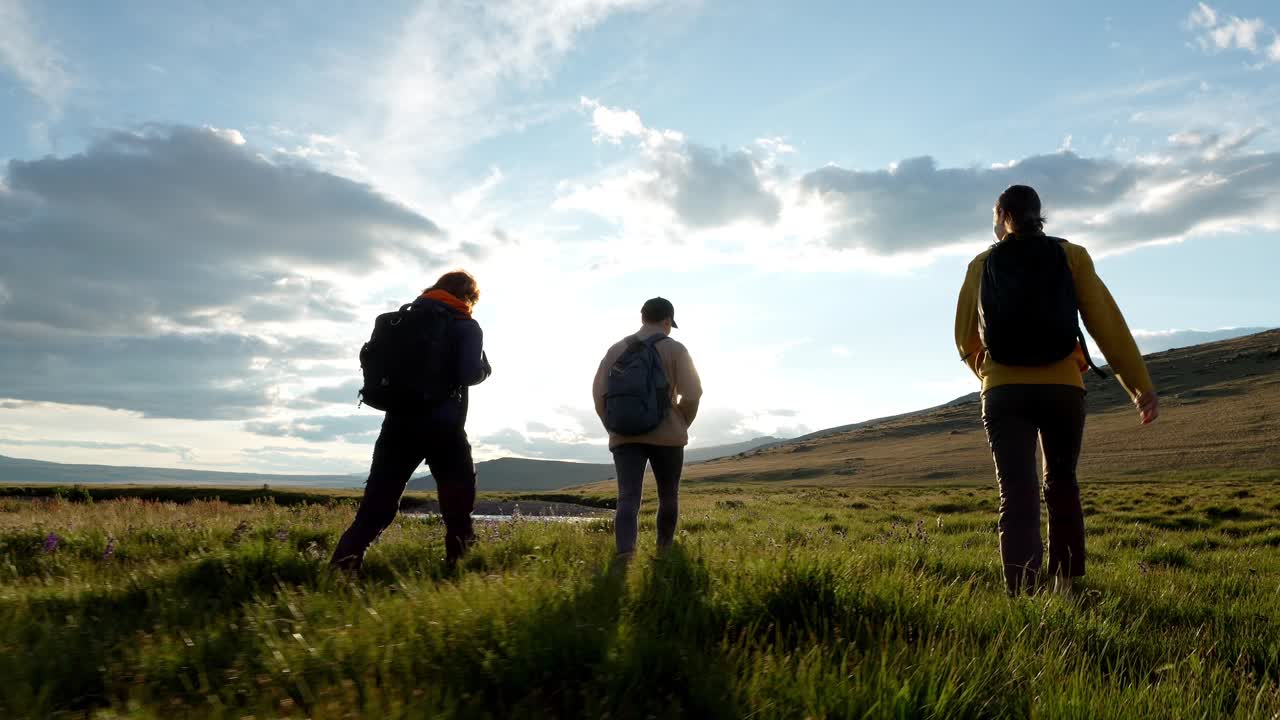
774,604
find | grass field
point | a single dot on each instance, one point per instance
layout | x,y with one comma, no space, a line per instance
776,603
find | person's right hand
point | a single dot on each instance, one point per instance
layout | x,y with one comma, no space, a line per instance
1148,406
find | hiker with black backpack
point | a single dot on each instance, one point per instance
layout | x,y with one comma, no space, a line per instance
646,394
418,366
1018,329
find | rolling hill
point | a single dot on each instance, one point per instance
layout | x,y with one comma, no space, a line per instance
21,470
1220,410
533,474
501,474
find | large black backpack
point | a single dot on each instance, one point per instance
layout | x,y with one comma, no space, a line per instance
637,392
1027,308
406,361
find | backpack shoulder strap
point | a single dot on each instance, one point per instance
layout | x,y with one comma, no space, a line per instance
1088,359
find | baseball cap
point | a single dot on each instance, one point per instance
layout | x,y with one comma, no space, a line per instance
658,309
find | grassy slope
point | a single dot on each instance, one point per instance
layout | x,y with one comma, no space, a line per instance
778,602
1219,411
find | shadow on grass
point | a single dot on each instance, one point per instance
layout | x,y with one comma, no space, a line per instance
72,640
668,659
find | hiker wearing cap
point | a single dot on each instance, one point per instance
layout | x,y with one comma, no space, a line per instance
646,394
418,367
1018,329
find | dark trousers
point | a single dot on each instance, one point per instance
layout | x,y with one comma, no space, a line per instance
404,443
1014,417
629,462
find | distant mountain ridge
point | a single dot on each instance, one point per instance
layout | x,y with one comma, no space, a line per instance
501,474
534,474
22,470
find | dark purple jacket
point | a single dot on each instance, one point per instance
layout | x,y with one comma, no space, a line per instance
469,367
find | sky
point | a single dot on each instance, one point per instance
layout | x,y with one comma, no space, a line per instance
204,205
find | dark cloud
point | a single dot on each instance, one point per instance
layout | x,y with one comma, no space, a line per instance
339,394
916,205
321,428
706,187
175,221
121,268
214,376
344,394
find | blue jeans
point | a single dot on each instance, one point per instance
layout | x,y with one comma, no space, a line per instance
629,462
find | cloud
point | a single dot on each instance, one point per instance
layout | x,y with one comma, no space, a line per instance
916,205
32,60
343,394
613,125
698,186
179,223
713,204
1205,184
460,72
321,428
161,271
546,446
203,376
300,460
185,454
1216,32
1152,341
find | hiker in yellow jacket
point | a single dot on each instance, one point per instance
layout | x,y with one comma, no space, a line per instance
1014,321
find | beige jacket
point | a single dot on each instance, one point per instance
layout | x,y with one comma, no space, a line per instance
686,392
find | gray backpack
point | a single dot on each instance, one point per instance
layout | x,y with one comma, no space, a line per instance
638,392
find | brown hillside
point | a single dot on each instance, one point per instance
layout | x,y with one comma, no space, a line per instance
1220,409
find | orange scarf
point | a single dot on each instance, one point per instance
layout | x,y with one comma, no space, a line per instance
447,298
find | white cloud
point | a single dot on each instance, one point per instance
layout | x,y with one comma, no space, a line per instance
1216,32
1152,341
691,185
182,454
612,125
30,58
674,197
460,72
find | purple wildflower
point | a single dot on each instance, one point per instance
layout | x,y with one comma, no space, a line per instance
111,549
51,543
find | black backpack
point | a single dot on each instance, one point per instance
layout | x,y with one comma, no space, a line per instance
638,393
1028,314
406,361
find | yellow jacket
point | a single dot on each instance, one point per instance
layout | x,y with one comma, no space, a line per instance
1102,319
